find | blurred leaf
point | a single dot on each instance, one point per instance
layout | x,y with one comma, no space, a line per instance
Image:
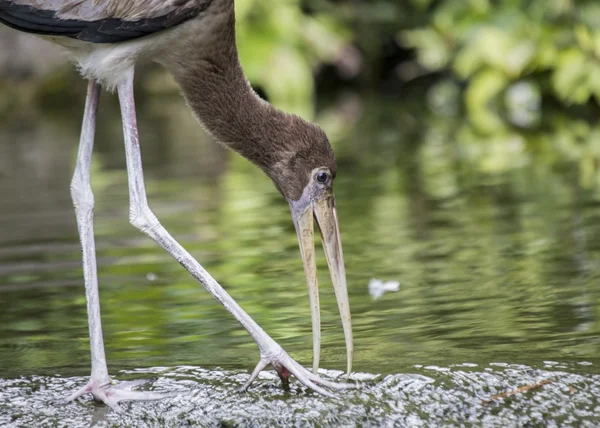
431,48
486,85
569,79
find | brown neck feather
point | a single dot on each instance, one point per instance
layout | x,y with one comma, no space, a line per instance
205,64
218,92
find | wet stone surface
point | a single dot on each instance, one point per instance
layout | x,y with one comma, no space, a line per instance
457,395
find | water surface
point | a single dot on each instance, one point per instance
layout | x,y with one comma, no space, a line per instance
496,249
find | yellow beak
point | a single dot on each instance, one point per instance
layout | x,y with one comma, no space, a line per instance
325,213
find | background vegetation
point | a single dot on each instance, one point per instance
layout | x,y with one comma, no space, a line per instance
485,47
504,67
468,147
521,77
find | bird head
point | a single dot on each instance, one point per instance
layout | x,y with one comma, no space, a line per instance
304,170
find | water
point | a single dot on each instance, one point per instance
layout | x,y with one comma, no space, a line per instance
425,397
495,243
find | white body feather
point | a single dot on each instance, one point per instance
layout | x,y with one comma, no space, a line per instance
108,63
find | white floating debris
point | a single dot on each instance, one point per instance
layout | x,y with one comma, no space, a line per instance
465,365
378,287
437,369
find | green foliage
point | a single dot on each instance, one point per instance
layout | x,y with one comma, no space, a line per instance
507,55
279,47
494,45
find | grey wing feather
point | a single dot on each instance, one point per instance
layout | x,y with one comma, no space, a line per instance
95,10
98,21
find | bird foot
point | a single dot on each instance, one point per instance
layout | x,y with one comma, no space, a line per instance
285,366
112,394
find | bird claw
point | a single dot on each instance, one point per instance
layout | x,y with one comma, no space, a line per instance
285,366
112,394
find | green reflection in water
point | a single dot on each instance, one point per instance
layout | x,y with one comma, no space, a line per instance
494,240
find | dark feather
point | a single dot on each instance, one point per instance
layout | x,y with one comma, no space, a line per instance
108,30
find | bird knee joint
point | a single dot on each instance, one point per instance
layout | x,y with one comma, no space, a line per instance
82,196
143,219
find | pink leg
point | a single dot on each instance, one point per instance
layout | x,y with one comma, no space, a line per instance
99,385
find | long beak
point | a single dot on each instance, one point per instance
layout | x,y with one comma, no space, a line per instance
325,213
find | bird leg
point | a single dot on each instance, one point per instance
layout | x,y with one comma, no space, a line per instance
83,201
144,219
99,385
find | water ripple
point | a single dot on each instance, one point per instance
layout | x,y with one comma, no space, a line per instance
458,395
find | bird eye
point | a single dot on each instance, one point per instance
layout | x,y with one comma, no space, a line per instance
322,177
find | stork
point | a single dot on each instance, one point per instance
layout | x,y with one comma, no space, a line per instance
195,41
